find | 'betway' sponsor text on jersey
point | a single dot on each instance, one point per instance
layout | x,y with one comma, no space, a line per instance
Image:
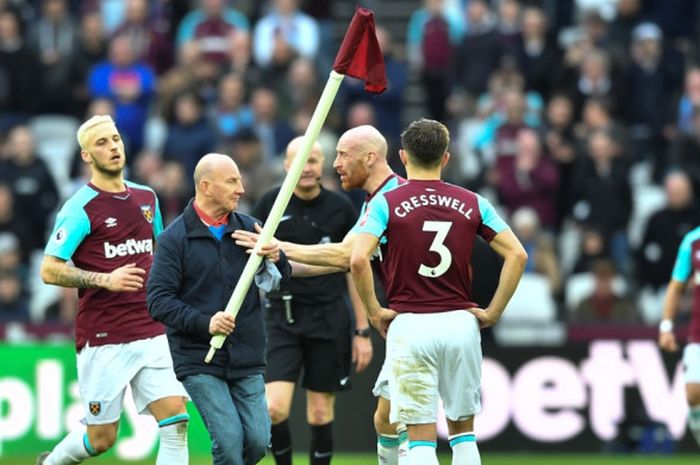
687,262
101,231
430,229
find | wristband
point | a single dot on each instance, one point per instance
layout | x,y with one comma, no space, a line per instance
666,326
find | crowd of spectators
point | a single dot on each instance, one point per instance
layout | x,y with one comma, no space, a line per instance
579,118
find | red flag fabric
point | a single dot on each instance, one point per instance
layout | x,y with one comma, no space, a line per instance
359,55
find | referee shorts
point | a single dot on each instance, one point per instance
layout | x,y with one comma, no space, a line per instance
325,363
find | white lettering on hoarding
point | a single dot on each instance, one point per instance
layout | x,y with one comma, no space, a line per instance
664,401
547,391
19,413
49,400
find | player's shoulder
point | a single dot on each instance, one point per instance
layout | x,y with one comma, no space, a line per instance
692,235
134,186
80,198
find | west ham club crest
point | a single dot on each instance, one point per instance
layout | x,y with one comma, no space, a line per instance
147,213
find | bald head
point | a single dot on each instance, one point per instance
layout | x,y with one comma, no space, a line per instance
367,139
210,164
679,190
294,146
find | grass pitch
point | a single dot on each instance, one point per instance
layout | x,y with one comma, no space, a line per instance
486,459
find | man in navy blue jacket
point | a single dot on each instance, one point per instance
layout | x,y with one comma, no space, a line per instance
195,269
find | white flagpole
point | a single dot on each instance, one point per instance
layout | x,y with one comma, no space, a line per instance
273,219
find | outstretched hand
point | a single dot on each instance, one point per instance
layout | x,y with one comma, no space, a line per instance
249,239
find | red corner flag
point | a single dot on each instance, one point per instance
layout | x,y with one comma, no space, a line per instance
359,55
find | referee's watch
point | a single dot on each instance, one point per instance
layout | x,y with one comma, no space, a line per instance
364,332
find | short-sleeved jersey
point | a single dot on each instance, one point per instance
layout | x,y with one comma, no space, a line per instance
378,265
101,231
324,219
687,262
430,227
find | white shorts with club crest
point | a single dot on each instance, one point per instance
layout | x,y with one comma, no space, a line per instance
105,372
432,356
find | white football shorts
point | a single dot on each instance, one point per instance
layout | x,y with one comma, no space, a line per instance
431,356
381,386
691,363
104,372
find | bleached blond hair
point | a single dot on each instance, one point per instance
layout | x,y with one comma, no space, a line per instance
85,130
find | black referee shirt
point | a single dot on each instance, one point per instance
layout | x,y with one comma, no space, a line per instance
326,218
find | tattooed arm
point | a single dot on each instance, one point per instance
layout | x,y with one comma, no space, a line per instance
60,273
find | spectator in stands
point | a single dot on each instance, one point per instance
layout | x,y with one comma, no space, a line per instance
13,223
150,41
479,52
212,27
603,195
604,305
592,247
190,134
685,150
284,34
301,88
629,15
596,116
531,181
274,132
191,72
432,35
653,75
388,106
689,101
53,38
131,85
665,231
559,143
90,50
593,78
17,74
14,302
232,114
509,24
11,255
538,57
540,248
173,189
33,186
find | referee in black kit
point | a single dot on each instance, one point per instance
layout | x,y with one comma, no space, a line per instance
309,324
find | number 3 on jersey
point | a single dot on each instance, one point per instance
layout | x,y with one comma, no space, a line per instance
440,228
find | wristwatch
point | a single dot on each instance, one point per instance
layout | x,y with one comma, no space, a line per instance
364,332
